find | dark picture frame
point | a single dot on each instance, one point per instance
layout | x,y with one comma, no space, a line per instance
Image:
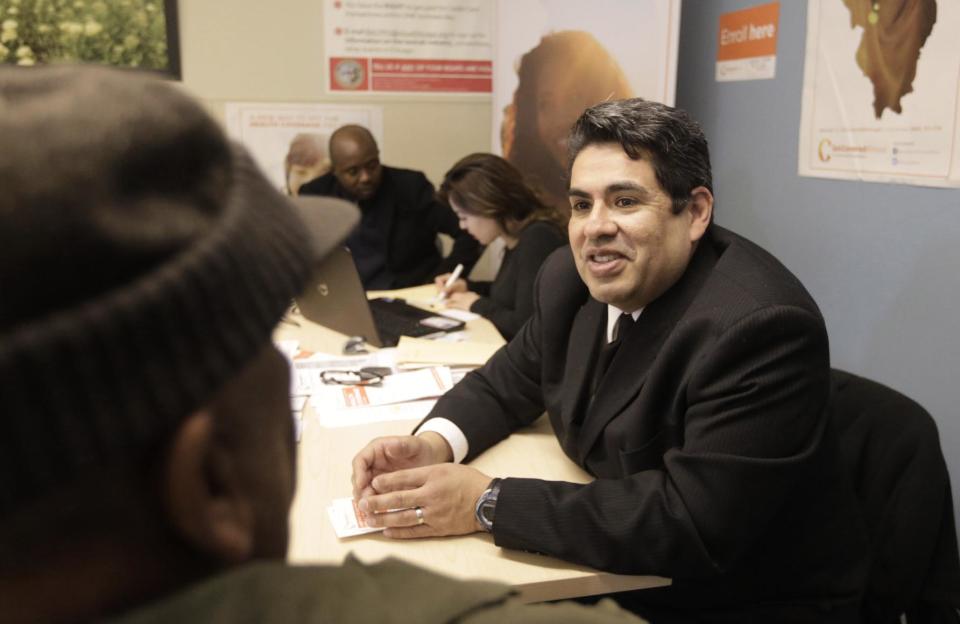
134,34
173,39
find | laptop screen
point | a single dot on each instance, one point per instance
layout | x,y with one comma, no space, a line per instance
335,299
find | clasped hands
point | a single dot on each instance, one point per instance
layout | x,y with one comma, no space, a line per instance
404,473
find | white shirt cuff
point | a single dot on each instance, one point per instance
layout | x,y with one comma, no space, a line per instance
449,432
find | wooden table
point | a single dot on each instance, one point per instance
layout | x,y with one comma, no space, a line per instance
323,473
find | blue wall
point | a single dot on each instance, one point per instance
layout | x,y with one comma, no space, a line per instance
881,260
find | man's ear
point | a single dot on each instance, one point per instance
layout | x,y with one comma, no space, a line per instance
700,207
203,493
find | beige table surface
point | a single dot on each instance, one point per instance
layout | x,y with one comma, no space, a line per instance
323,472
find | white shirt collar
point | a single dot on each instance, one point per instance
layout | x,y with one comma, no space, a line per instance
613,313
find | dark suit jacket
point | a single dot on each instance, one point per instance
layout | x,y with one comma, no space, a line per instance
413,219
709,438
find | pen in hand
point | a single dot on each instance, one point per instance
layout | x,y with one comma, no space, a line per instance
450,280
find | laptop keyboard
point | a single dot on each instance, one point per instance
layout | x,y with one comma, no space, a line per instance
392,324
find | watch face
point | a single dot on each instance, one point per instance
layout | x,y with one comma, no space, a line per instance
487,505
486,510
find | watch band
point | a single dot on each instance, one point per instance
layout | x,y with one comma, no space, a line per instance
487,506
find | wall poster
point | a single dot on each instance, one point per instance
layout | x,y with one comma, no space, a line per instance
881,92
289,141
408,46
554,58
747,43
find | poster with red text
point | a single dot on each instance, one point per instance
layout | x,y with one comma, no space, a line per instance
414,46
747,43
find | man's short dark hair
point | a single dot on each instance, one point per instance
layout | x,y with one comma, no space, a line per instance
669,137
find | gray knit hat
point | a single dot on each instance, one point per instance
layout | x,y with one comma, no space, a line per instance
144,260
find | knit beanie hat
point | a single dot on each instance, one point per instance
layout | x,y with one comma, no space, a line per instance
144,261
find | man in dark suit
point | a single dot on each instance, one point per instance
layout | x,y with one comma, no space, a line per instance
680,364
395,244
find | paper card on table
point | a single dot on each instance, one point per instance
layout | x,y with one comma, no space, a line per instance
460,315
419,384
347,519
413,350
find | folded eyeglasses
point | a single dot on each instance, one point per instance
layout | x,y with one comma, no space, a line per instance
367,376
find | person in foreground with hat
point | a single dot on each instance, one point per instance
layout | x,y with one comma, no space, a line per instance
146,449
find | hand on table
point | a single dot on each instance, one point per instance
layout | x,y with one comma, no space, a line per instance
445,494
458,286
461,300
391,453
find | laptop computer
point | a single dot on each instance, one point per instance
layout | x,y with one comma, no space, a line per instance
335,298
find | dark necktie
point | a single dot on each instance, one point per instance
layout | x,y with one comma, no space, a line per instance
607,351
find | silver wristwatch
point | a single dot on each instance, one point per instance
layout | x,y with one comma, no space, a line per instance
487,505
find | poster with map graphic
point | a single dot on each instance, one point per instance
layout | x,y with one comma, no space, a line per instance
881,92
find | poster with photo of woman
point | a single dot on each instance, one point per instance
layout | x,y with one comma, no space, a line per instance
555,58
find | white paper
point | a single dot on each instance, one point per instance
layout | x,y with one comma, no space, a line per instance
460,315
305,374
397,388
297,426
347,520
414,350
457,336
351,416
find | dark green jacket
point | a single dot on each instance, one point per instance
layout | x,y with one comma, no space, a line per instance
387,592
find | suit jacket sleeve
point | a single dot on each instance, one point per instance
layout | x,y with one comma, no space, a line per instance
753,414
501,396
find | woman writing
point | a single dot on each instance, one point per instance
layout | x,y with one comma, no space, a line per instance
492,201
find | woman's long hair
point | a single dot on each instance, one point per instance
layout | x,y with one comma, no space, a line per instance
487,185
